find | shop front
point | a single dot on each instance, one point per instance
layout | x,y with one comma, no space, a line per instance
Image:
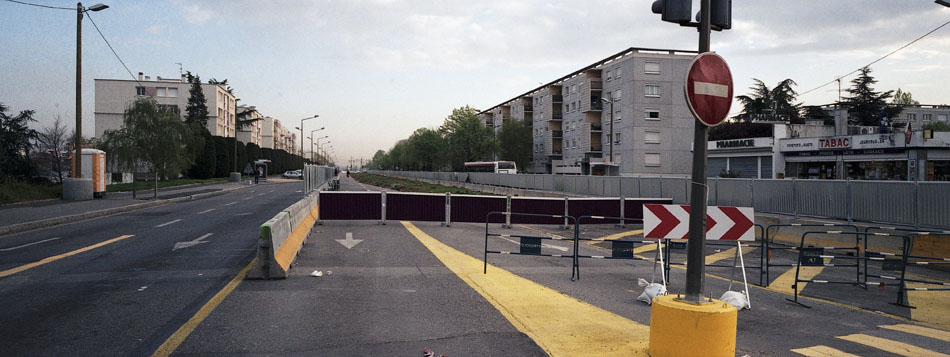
745,158
857,157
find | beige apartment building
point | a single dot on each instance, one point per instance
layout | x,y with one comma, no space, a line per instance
252,133
113,96
276,136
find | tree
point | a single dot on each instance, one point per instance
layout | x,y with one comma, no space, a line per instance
206,162
770,104
865,106
426,150
904,98
53,144
197,109
514,143
16,140
466,137
151,137
223,156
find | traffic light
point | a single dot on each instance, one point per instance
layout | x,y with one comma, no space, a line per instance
721,14
677,11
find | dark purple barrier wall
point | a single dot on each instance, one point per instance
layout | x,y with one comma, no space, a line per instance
415,207
607,207
633,207
537,206
475,208
350,205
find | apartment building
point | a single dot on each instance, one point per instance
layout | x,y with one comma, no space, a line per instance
252,133
622,115
276,136
113,96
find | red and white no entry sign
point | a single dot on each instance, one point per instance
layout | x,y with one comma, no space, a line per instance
709,88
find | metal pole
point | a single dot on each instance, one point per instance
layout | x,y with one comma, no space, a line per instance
611,131
695,257
77,160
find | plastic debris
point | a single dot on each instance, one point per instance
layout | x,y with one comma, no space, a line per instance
737,299
316,273
650,291
428,353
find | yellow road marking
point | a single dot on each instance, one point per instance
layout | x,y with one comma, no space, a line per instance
54,258
785,281
726,254
932,306
617,236
895,347
822,351
561,325
920,330
182,333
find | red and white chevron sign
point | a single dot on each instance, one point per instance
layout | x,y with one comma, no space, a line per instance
722,222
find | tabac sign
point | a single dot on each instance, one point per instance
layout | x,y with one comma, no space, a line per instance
834,142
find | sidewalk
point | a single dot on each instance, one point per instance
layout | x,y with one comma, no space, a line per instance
26,216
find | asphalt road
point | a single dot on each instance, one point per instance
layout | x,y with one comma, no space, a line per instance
117,285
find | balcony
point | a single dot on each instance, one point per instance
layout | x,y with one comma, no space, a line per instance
528,108
557,116
557,98
592,155
596,149
595,85
596,105
555,153
557,134
596,127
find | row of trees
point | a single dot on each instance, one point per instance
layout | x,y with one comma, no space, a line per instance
29,154
866,107
461,138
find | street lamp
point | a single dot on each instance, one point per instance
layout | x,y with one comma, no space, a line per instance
77,170
943,2
321,149
611,137
317,140
301,131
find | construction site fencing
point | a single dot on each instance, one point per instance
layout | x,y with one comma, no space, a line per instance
531,244
911,203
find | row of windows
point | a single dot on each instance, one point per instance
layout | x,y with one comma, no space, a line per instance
170,92
649,68
925,117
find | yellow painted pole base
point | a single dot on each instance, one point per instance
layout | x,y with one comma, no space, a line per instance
684,329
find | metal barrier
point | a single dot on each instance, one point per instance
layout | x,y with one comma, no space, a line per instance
769,241
530,245
619,249
815,256
738,259
905,260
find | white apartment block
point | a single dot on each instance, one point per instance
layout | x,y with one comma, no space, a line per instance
276,136
252,133
113,96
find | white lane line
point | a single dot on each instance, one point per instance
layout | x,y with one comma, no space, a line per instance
143,288
271,191
260,194
244,214
27,245
167,223
248,198
206,211
228,204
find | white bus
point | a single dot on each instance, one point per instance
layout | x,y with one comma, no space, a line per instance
498,167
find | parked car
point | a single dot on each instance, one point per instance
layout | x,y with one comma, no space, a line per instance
293,174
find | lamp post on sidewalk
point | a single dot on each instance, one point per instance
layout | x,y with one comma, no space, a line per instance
301,131
77,171
611,136
312,142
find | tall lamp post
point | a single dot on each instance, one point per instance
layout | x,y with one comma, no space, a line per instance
611,136
312,142
77,171
301,131
320,148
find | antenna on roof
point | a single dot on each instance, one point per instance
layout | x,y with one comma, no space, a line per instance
180,73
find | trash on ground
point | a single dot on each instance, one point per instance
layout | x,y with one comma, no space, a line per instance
316,273
650,291
737,299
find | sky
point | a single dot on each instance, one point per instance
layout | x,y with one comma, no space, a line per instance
377,70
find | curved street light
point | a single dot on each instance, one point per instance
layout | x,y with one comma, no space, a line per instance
301,131
77,169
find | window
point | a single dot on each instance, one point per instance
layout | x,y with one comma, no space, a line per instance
139,90
574,88
652,68
941,117
651,159
652,114
619,71
652,90
911,116
617,116
173,92
617,138
160,91
617,95
609,76
652,137
927,117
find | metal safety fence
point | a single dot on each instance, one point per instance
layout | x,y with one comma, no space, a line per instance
913,203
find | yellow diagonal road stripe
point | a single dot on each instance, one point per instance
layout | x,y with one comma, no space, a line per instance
895,347
561,325
822,351
785,281
920,330
617,236
54,258
726,254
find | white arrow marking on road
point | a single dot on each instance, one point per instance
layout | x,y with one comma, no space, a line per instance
713,89
543,245
27,245
206,211
349,242
167,223
182,245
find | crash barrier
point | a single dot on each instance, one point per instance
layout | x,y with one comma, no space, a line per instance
772,230
619,249
816,255
449,208
315,177
912,203
738,259
529,244
282,236
899,262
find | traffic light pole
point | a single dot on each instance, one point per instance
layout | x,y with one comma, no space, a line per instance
695,254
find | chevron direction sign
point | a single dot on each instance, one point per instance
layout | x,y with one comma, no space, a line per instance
722,222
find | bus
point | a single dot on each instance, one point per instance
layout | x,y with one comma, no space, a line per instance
498,167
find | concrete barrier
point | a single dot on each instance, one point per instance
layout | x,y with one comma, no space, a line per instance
282,237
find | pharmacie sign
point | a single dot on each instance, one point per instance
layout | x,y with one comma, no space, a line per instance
741,143
834,142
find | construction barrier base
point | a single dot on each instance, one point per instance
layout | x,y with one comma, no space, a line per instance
680,328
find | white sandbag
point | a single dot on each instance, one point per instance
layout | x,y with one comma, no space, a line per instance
737,299
650,291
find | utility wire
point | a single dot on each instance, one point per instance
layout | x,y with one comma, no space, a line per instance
113,50
877,60
39,5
